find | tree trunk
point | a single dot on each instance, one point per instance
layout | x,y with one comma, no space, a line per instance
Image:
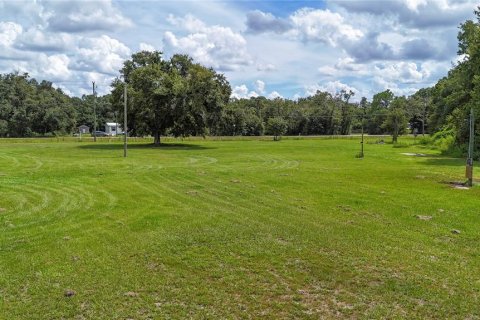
156,137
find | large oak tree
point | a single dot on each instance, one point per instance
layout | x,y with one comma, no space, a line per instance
175,96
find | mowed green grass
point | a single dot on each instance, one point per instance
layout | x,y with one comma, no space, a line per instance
235,229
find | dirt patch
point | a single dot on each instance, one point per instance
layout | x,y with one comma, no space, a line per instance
2,210
344,207
424,218
192,193
131,294
457,185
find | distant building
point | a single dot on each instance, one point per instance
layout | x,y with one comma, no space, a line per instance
83,129
112,128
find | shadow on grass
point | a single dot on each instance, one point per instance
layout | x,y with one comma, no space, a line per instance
434,160
162,146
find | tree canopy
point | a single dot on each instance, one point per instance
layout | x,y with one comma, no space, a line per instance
175,96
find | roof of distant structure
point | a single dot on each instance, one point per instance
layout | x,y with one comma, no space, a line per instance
112,124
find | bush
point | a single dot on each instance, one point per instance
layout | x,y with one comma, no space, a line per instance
277,127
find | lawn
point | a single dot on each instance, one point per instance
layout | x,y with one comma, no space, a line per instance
206,229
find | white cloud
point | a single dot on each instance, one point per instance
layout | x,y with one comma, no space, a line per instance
307,24
266,67
403,72
83,16
328,71
323,25
35,39
332,87
102,54
274,95
55,66
215,46
414,4
260,86
188,23
146,47
243,92
9,31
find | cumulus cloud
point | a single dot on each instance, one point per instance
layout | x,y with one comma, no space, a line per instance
215,46
274,95
146,47
102,54
332,87
9,31
414,13
307,24
55,67
323,26
243,92
189,22
402,72
35,39
260,86
259,22
82,16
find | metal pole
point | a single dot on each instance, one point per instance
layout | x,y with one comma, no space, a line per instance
424,115
361,153
469,169
125,129
363,104
94,113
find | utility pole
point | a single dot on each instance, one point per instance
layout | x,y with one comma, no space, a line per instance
424,115
469,168
363,105
125,130
94,113
363,123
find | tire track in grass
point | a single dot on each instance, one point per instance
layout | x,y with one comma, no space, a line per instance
25,161
13,160
153,189
17,198
28,189
112,200
38,163
201,161
241,206
274,163
45,210
185,200
258,202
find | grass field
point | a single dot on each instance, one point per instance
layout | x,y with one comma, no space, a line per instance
235,229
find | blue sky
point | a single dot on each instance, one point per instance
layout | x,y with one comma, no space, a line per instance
283,48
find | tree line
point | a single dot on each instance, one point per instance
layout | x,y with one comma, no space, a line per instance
179,97
29,108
